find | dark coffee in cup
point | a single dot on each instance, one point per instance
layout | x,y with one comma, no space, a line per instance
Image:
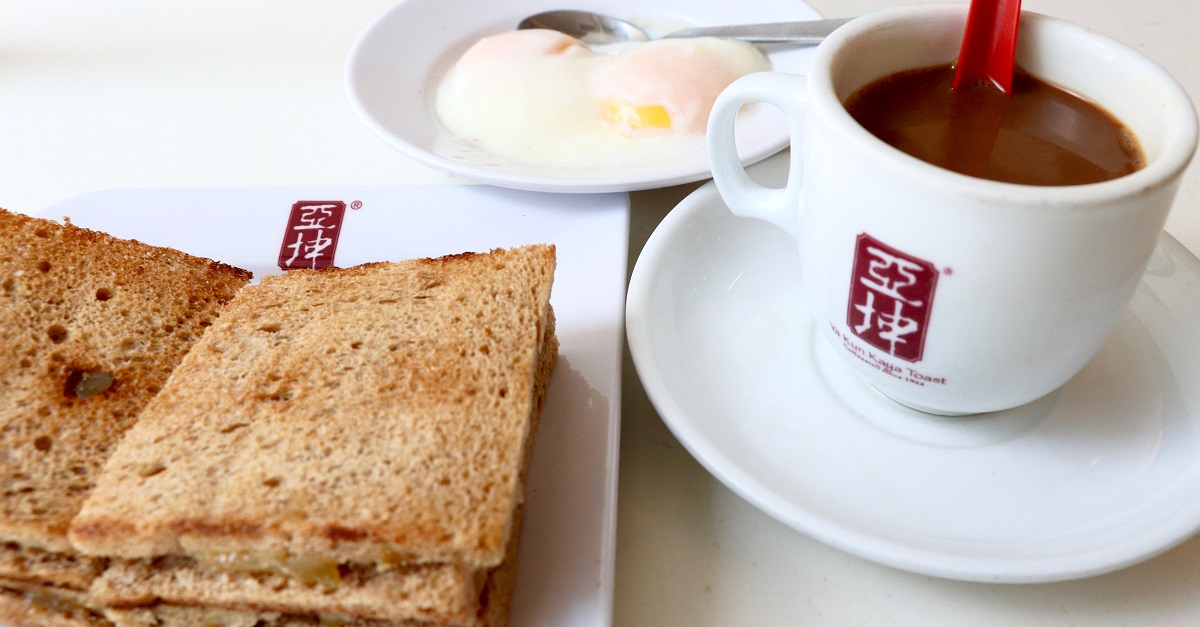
1039,135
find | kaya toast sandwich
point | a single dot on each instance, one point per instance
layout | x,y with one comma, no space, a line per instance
342,445
90,328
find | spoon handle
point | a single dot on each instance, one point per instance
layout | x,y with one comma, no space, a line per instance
809,32
989,44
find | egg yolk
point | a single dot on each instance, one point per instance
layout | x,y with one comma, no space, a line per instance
636,116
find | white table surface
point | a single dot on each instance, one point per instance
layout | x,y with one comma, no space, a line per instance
134,93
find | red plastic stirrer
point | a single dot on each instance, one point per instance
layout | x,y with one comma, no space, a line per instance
989,44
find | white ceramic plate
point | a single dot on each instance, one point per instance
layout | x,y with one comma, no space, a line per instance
566,557
395,66
1099,475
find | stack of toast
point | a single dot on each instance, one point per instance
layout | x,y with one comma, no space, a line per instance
90,329
338,447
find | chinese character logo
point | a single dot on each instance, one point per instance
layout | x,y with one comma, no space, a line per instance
891,295
312,234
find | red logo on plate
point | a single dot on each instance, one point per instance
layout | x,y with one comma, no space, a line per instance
312,234
891,295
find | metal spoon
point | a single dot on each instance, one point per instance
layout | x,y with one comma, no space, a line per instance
594,28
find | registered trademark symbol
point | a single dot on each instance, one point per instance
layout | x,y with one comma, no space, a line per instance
948,271
356,205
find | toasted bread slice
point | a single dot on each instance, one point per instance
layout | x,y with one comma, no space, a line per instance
494,613
64,569
179,594
91,326
75,303
163,599
436,593
376,417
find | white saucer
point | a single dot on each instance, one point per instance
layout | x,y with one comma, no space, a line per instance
394,69
1101,474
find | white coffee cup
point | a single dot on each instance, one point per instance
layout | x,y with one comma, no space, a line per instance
952,294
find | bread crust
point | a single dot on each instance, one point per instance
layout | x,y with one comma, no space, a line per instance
71,570
24,604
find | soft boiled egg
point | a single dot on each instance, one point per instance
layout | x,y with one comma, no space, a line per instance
670,84
538,96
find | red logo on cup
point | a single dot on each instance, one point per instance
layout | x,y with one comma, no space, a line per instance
312,234
891,295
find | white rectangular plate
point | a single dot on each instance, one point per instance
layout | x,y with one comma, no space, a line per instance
565,566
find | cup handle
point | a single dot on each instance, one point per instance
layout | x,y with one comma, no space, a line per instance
745,198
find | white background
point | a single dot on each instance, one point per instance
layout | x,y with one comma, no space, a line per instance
130,93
